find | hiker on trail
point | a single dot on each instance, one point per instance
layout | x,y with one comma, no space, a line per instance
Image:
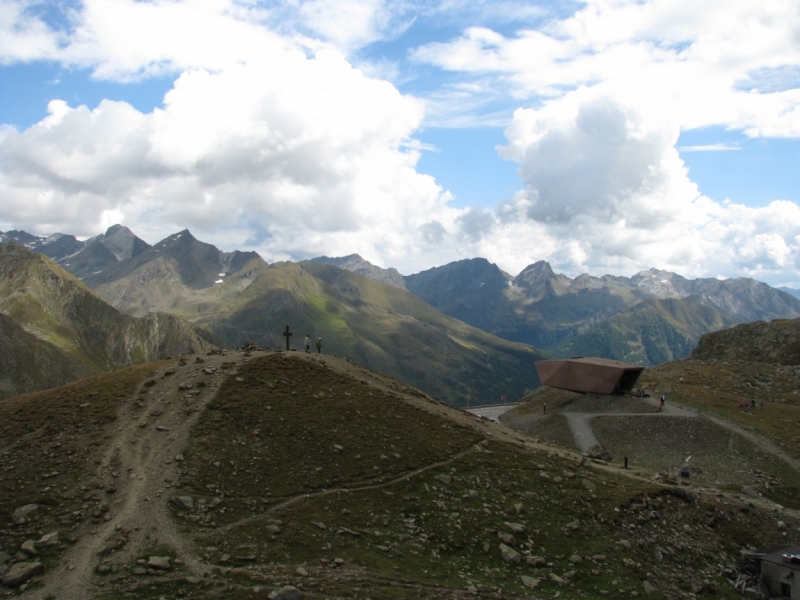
544,408
661,404
663,399
753,404
762,405
319,345
307,342
681,380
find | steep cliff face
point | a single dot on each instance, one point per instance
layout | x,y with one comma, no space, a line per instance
775,342
68,332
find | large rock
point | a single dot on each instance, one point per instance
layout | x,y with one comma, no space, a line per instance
598,452
531,582
19,516
287,592
29,547
506,538
511,556
21,572
536,561
185,502
516,527
158,562
47,540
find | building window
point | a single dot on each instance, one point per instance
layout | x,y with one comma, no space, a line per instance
786,590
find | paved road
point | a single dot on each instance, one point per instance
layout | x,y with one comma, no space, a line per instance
491,412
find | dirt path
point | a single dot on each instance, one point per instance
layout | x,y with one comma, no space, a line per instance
759,441
139,465
357,487
581,427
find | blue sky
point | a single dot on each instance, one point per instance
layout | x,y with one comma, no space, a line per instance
602,137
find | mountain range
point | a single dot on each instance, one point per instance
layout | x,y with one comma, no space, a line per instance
649,318
466,332
238,297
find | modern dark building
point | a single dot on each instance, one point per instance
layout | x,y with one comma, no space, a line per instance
595,375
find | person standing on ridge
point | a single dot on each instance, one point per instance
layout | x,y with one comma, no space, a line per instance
307,342
319,345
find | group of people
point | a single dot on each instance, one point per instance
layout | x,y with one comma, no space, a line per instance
751,405
307,342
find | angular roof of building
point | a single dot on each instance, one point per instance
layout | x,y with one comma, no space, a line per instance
589,374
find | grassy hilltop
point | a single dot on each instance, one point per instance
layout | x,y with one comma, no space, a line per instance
235,476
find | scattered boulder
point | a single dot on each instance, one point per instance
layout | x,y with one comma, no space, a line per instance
158,562
185,502
531,582
556,579
19,516
445,479
29,547
506,538
21,572
511,556
597,452
515,527
47,540
536,561
287,592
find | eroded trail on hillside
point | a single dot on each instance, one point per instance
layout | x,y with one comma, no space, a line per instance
140,464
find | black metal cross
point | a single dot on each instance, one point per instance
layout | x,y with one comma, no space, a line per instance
287,334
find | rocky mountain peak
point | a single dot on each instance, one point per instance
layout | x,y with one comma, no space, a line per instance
539,280
356,264
122,242
183,238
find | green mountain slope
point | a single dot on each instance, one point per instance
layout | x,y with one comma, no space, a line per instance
69,331
650,333
374,324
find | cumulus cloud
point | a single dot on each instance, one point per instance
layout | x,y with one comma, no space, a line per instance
725,62
310,150
605,191
271,138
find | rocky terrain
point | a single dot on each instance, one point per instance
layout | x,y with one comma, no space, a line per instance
256,474
777,342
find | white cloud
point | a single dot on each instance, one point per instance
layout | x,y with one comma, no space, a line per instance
306,154
23,35
606,192
271,136
692,61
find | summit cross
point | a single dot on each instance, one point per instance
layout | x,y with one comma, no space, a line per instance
287,334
